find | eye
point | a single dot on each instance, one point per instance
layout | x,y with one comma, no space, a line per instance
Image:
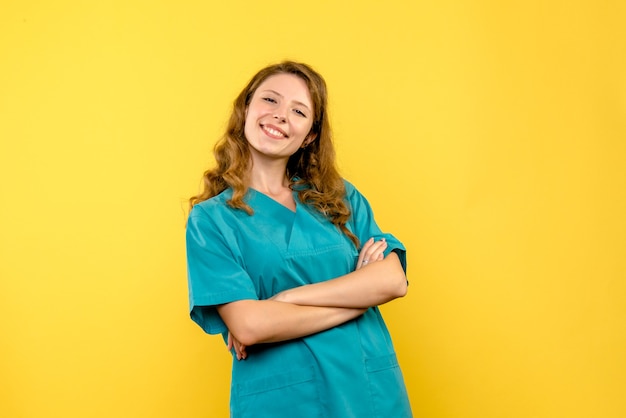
269,99
300,113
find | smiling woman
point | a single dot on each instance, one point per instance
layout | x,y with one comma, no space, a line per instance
286,261
278,123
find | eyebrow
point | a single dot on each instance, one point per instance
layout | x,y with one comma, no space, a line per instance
278,94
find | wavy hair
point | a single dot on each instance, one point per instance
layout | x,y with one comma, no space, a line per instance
312,171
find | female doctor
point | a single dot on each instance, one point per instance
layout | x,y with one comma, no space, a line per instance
286,261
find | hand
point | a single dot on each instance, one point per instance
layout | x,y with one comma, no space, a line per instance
240,349
371,252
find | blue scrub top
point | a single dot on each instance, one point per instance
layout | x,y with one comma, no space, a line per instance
347,371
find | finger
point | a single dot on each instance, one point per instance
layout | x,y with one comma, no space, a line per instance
229,346
241,351
374,251
367,243
379,252
364,249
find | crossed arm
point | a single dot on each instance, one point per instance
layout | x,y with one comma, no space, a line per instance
309,309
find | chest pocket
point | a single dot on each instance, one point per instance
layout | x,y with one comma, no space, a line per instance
294,249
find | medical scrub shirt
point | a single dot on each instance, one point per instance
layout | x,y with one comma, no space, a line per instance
350,370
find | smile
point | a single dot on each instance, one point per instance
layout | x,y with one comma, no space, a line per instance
273,132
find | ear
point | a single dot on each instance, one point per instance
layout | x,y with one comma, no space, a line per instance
310,138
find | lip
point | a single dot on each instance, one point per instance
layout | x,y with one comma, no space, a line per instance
267,128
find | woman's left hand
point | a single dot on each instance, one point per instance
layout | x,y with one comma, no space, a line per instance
371,252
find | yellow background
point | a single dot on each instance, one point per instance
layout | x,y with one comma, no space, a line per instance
489,136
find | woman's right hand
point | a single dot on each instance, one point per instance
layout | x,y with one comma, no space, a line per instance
240,349
371,252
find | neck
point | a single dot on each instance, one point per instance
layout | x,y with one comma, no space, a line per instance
269,176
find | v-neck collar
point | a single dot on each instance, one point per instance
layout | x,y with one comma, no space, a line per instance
276,202
295,233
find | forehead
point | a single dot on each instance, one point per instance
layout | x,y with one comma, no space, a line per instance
290,86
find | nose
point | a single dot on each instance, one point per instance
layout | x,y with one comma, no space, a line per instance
279,117
279,114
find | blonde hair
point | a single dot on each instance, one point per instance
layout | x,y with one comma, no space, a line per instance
312,170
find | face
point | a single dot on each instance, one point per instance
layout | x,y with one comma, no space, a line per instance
279,117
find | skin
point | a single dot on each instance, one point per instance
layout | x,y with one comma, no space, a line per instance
279,119
278,123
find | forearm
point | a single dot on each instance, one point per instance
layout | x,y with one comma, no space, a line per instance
265,321
372,285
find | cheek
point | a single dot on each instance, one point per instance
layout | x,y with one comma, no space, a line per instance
252,115
306,128
248,125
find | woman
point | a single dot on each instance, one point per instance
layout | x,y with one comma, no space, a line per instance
274,262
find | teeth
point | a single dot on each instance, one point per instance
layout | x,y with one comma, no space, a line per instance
273,131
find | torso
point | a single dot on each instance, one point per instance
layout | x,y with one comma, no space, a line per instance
347,371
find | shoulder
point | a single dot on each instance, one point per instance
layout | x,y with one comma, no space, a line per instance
213,219
216,213
212,206
352,193
350,188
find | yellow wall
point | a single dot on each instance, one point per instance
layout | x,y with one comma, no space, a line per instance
490,136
